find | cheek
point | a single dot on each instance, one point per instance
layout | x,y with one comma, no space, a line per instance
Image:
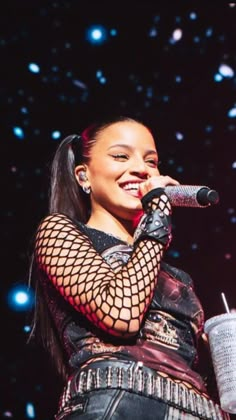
155,172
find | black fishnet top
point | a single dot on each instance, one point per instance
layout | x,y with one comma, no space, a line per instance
110,300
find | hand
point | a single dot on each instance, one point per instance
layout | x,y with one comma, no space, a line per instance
160,181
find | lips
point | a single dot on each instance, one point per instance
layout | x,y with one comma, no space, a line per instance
131,188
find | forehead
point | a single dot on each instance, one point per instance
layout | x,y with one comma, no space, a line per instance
126,132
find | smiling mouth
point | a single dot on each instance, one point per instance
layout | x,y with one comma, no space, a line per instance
131,188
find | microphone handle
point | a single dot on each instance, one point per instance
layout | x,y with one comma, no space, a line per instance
191,195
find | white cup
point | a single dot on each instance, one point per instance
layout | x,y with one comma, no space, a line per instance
221,331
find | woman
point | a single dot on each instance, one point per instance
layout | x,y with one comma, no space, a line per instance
122,325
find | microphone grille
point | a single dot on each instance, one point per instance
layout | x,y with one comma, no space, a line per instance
186,195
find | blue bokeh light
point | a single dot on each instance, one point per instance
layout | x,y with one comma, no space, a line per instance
30,411
56,134
20,298
96,34
218,77
19,132
232,112
34,68
113,32
179,136
193,16
226,71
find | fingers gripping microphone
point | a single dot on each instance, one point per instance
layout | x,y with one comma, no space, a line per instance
191,195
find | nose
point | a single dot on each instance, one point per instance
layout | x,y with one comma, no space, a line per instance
139,168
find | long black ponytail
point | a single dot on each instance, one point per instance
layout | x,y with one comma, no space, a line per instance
66,196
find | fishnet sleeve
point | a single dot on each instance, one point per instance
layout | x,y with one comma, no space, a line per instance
113,301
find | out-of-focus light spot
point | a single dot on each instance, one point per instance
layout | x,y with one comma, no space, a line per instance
24,110
176,35
153,32
149,93
56,135
27,328
196,39
179,136
156,19
209,128
177,19
174,253
20,298
166,98
228,256
34,68
193,16
218,77
30,412
194,246
179,169
102,80
18,132
7,414
98,74
55,69
38,171
232,4
171,161
113,32
232,112
139,88
209,32
221,38
230,210
96,34
234,165
178,79
79,84
226,71
233,219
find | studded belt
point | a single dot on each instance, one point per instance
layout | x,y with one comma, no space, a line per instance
137,378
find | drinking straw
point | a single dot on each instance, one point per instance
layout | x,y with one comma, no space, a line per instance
225,303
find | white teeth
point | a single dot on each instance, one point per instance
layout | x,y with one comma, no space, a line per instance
131,186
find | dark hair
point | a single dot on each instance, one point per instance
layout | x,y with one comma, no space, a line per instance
66,197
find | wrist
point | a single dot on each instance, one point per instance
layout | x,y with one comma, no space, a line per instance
156,199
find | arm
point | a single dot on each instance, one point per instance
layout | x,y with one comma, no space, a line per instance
115,302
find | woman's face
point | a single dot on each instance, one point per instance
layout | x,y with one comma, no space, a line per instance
123,156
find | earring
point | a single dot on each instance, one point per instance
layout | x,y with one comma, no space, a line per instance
83,176
87,190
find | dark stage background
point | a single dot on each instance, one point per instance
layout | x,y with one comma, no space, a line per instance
173,65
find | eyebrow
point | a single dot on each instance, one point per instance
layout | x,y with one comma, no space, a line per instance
126,146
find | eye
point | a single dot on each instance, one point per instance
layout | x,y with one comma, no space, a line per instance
153,162
120,156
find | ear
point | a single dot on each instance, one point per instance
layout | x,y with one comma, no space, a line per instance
80,175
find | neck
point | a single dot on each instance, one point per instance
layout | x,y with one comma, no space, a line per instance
123,229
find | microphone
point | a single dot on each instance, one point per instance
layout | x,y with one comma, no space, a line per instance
191,195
